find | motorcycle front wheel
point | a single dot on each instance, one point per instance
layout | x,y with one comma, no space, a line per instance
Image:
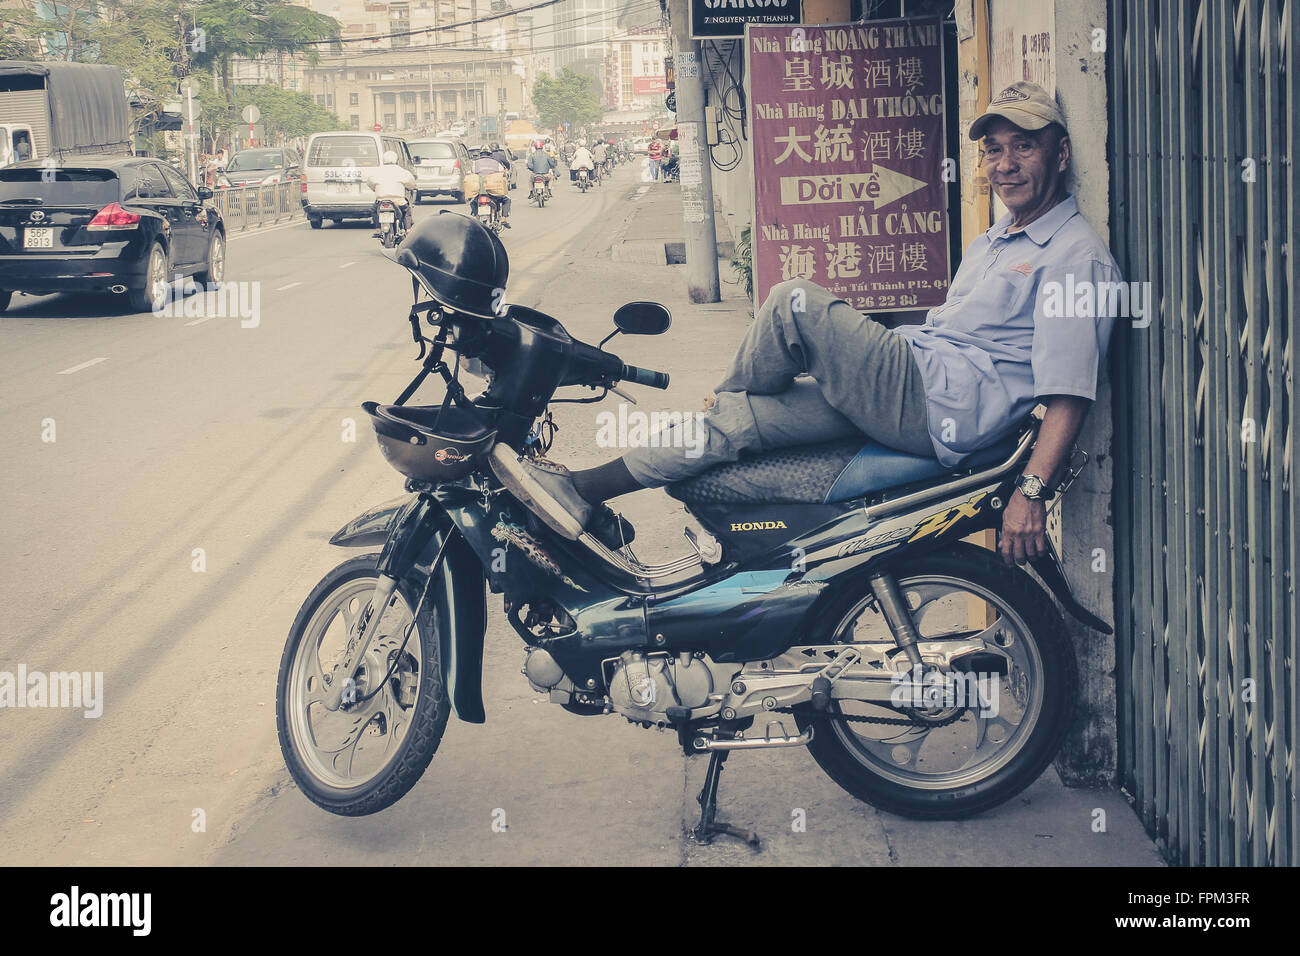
943,760
366,755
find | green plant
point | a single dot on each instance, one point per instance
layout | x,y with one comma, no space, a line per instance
742,262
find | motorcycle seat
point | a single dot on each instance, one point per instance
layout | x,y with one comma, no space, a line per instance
825,473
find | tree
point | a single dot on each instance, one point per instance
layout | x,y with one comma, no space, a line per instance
254,28
568,98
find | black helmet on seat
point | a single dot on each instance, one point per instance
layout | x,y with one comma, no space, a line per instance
460,263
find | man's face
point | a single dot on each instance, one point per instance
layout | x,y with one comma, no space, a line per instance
1024,167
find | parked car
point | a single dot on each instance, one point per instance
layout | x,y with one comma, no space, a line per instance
641,144
251,167
120,225
440,164
334,181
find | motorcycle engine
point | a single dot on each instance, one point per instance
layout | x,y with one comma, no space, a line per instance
643,686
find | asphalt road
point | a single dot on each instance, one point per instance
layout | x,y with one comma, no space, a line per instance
168,534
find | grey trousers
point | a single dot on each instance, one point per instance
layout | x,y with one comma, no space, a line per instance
810,369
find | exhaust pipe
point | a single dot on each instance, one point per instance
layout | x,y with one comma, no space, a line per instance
117,289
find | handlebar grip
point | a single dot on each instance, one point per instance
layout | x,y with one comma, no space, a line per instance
644,376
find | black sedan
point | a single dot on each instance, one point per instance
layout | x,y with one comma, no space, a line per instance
122,225
253,167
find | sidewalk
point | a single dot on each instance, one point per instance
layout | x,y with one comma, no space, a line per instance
1048,824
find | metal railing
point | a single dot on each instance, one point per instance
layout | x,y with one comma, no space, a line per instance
1205,100
251,207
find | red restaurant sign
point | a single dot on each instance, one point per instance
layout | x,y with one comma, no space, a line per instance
648,85
848,152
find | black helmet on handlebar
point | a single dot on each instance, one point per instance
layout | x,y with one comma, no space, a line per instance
460,263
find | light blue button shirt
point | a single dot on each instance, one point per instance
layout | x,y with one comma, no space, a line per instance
1005,337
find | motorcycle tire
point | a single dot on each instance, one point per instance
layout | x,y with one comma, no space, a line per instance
1039,621
426,718
388,240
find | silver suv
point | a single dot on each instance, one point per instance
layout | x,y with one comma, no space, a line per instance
439,164
333,174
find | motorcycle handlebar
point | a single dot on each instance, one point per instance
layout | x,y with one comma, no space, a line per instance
645,376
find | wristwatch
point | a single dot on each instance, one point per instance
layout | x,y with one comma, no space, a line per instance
1033,488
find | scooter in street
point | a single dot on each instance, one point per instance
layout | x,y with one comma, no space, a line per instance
540,191
488,212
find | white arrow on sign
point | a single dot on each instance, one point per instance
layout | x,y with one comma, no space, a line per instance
880,187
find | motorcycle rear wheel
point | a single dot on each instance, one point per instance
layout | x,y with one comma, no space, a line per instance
395,733
958,769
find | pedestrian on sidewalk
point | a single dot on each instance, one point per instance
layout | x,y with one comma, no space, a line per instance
655,151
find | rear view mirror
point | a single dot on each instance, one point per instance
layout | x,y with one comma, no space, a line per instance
643,318
204,192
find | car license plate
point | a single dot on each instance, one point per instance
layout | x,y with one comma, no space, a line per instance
385,218
345,188
42,238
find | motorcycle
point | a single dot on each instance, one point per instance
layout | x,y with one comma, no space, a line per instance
392,223
584,179
670,171
924,676
488,213
539,192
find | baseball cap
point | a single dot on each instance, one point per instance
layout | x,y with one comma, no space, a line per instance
1026,104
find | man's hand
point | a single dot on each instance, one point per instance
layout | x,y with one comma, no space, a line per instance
1024,530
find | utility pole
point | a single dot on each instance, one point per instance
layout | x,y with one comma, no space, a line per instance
694,164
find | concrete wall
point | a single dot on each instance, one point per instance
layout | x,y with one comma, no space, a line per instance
1052,44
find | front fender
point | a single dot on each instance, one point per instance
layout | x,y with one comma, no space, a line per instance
459,596
460,603
371,528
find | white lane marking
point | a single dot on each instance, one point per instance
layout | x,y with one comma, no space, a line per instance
249,234
78,368
199,321
346,264
641,191
286,288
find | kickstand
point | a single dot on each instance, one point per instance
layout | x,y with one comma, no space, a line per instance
710,826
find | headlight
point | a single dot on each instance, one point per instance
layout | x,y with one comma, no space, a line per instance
271,180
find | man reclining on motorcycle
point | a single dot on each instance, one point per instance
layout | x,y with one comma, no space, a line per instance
812,369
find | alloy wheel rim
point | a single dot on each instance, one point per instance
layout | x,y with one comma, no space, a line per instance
973,747
217,260
350,747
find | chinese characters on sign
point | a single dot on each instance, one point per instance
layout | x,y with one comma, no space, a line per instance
848,151
711,19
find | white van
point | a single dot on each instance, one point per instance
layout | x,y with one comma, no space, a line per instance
333,173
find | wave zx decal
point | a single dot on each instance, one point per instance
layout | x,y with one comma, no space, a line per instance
941,521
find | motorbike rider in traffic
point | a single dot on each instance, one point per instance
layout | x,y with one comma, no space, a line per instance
582,159
486,165
392,182
598,156
540,163
812,368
